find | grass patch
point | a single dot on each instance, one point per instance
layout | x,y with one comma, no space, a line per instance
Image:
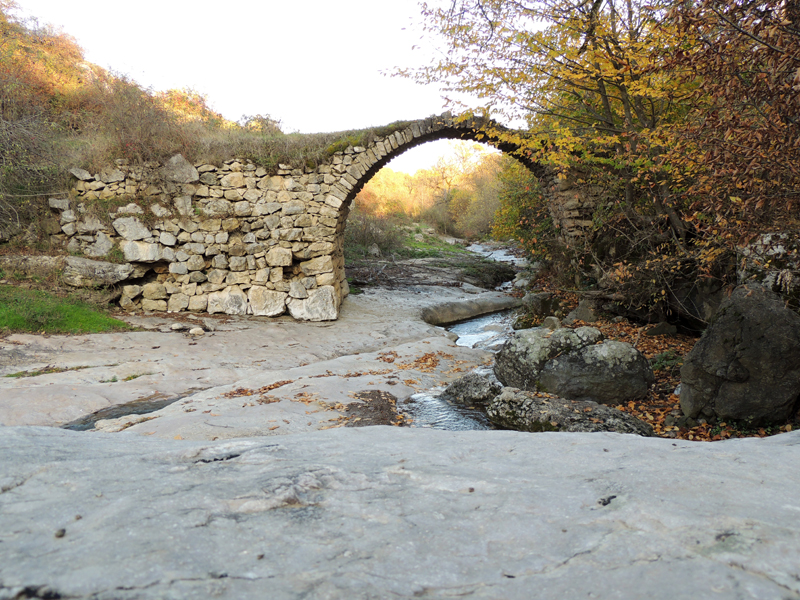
431,246
44,371
34,311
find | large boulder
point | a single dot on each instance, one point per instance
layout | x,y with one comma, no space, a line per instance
747,364
535,412
458,310
396,512
474,388
322,304
83,272
577,364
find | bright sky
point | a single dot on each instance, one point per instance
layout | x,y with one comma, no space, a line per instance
313,64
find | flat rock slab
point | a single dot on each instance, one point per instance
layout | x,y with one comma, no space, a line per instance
107,370
384,512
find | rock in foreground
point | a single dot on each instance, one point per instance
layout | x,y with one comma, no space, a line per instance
574,363
532,411
383,512
747,364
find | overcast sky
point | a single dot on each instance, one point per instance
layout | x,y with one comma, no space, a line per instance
316,65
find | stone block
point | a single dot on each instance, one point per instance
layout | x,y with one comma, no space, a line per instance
267,303
237,263
178,302
195,263
178,268
198,303
315,266
131,228
322,304
217,276
279,257
154,291
141,252
231,301
232,180
58,203
154,305
179,170
131,291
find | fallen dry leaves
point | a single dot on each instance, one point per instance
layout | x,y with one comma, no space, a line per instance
661,409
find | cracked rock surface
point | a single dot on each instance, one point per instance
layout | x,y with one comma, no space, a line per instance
383,512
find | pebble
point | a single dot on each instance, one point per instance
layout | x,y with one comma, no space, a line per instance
197,331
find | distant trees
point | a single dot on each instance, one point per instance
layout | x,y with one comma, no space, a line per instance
457,195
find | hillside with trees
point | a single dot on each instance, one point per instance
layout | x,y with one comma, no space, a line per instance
683,114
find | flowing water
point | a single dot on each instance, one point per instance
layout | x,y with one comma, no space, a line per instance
488,332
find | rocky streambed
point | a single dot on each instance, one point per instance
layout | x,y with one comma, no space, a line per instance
248,483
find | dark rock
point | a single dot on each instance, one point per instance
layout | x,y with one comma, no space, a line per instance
529,411
474,388
747,364
574,363
662,328
584,312
542,304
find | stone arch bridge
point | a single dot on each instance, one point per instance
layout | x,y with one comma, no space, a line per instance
232,238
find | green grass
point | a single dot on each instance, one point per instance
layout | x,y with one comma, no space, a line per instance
431,246
34,311
44,371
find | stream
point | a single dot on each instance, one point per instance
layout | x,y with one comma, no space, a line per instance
488,332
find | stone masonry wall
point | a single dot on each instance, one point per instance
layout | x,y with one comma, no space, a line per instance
230,238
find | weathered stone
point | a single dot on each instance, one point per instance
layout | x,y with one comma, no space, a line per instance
130,209
237,278
542,304
233,180
180,170
195,263
474,388
112,176
231,301
217,275
154,291
297,290
160,211
81,174
141,252
279,257
198,303
178,302
449,312
82,272
58,203
90,224
537,412
747,364
575,364
218,208
131,228
154,305
586,494
238,263
264,302
101,246
131,291
321,264
584,312
183,204
322,304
